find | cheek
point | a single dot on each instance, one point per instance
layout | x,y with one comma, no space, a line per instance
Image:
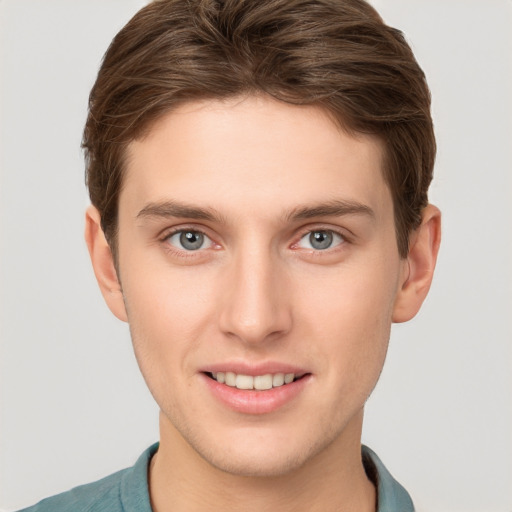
162,297
348,314
351,299
167,318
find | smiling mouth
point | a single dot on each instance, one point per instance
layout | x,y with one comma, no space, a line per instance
258,382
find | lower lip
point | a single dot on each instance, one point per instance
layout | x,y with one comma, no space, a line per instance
256,402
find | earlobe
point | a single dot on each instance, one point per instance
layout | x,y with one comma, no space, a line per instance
419,266
103,264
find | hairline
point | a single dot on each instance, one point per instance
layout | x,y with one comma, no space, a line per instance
146,128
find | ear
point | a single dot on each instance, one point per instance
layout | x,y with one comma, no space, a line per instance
419,266
103,264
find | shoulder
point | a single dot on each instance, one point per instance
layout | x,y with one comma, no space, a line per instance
391,496
123,491
94,497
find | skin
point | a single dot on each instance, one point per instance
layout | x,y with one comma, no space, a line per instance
260,177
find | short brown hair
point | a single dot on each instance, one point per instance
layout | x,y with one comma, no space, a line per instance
337,54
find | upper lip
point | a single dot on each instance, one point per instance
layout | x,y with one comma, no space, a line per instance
245,368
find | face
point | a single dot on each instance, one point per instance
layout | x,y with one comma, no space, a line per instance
257,249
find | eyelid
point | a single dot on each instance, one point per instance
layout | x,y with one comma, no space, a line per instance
206,240
337,240
167,233
344,233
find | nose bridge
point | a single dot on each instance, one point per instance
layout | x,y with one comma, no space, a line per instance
255,306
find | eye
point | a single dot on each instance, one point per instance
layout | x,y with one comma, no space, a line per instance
320,240
189,240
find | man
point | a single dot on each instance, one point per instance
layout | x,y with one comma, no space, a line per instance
258,172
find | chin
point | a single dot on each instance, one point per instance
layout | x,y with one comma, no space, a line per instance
264,458
264,465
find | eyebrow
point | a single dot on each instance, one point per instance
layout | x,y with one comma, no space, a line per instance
169,209
334,208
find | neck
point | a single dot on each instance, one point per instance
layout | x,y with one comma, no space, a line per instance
181,480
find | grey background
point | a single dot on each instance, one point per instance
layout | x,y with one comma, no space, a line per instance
73,405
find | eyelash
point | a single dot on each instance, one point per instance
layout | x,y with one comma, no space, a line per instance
183,253
342,234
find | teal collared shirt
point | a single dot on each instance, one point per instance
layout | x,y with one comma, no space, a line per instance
127,490
391,496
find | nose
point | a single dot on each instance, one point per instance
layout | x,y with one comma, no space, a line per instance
256,303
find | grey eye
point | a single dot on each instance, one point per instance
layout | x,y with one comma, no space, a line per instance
320,240
189,240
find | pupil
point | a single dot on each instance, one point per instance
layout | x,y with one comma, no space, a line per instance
191,240
320,239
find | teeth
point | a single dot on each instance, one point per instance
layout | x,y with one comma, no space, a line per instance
278,380
231,379
244,382
259,382
263,382
289,378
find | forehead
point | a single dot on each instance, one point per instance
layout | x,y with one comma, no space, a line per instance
252,149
